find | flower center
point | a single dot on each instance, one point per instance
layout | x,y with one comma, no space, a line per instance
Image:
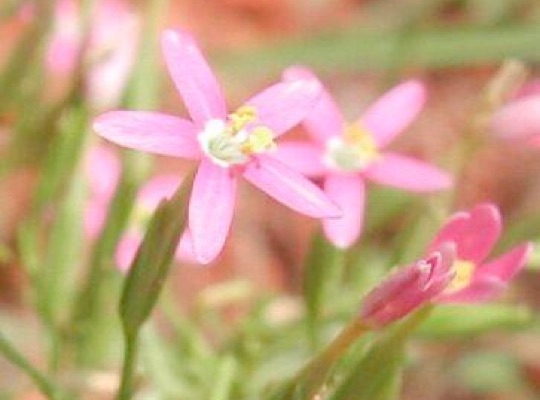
464,271
232,142
353,151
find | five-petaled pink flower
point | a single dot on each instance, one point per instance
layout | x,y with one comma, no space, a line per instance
474,234
346,155
520,117
408,288
227,144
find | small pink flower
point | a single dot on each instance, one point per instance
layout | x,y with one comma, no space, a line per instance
474,234
346,155
227,144
110,51
408,288
520,118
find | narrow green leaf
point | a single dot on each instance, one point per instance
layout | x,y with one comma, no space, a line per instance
356,48
322,270
468,319
377,373
151,265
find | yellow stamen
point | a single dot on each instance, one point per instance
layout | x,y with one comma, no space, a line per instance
241,117
362,142
464,271
261,139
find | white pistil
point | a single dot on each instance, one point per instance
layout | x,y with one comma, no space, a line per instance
351,152
232,142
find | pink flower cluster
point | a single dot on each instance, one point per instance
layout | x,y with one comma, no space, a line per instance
243,143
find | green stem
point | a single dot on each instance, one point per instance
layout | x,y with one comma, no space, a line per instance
45,385
224,380
125,392
309,380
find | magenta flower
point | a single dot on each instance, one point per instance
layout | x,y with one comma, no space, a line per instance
474,234
109,56
346,155
520,118
408,288
227,144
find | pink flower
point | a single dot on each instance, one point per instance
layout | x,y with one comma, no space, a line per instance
474,234
227,144
346,155
110,51
520,118
408,288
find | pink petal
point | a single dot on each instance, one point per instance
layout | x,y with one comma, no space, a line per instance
506,266
303,157
211,210
480,290
149,131
156,189
95,214
407,173
184,251
518,120
193,77
289,187
102,169
325,120
348,192
284,105
474,233
126,250
394,111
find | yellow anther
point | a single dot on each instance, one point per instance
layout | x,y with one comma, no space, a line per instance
362,142
241,117
464,271
261,139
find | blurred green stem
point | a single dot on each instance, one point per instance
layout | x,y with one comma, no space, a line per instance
125,392
312,377
45,385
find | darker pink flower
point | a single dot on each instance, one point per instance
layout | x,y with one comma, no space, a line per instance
520,118
474,234
408,288
346,155
228,145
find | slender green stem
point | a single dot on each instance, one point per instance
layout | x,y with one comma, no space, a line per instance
309,380
125,392
226,372
45,385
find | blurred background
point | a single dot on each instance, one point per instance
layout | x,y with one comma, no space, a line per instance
62,63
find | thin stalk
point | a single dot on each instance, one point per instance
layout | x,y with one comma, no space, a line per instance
125,391
308,382
44,383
